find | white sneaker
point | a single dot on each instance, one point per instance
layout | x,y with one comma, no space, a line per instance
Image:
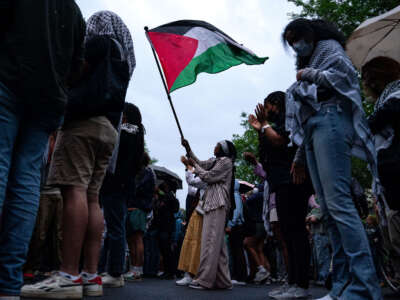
185,281
279,290
235,282
293,293
261,275
133,276
92,287
55,287
327,297
114,282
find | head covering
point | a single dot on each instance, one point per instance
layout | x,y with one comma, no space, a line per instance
226,150
110,24
224,146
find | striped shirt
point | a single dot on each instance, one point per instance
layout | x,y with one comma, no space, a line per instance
217,173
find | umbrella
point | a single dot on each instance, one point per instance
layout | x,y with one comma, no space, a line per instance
245,187
379,36
164,174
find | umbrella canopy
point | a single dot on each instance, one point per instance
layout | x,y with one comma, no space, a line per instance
163,174
379,36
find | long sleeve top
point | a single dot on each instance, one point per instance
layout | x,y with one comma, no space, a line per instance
195,183
217,173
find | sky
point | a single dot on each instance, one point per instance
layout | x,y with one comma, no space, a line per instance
209,110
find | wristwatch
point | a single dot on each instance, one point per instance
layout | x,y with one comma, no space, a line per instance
265,128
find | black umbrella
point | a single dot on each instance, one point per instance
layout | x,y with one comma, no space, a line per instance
163,174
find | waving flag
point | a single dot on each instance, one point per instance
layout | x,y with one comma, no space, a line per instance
186,48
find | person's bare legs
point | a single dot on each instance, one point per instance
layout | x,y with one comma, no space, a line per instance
132,249
260,251
277,233
139,255
94,232
75,221
251,246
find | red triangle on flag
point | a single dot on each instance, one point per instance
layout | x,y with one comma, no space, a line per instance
175,53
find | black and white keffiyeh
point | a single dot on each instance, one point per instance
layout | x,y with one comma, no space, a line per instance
330,66
384,138
110,24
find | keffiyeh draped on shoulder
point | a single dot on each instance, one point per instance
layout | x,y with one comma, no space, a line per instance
110,24
330,68
384,138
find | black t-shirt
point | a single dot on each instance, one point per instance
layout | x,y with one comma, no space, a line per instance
40,47
277,160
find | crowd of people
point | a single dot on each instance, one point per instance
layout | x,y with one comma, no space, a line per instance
78,195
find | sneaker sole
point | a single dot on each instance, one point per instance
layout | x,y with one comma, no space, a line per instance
55,295
93,293
113,285
182,284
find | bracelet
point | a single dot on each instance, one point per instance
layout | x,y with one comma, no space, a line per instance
265,128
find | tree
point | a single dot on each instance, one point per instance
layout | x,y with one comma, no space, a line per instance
346,14
247,142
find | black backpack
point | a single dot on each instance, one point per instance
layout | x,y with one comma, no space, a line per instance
102,91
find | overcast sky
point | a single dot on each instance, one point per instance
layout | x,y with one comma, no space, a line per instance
209,110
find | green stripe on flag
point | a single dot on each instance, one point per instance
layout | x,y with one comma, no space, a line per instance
216,59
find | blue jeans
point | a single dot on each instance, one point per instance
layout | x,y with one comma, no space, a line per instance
328,142
24,133
113,252
323,255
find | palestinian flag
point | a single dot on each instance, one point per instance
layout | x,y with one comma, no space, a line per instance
186,48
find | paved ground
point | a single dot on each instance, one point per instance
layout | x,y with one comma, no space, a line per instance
167,290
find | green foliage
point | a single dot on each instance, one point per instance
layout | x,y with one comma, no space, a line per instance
247,142
346,14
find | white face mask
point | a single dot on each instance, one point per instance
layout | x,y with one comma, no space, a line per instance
302,48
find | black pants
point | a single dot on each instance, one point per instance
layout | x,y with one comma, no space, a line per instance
239,268
292,206
165,245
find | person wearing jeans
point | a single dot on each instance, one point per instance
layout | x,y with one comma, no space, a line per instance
23,140
37,60
325,116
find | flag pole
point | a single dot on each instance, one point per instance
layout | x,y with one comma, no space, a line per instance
165,84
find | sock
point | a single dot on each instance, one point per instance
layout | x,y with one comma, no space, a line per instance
140,270
88,276
69,276
260,268
132,269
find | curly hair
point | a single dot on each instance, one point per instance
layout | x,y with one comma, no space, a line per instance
312,30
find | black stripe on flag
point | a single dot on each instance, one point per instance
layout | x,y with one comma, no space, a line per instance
183,26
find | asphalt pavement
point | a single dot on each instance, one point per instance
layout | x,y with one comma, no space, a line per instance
167,290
